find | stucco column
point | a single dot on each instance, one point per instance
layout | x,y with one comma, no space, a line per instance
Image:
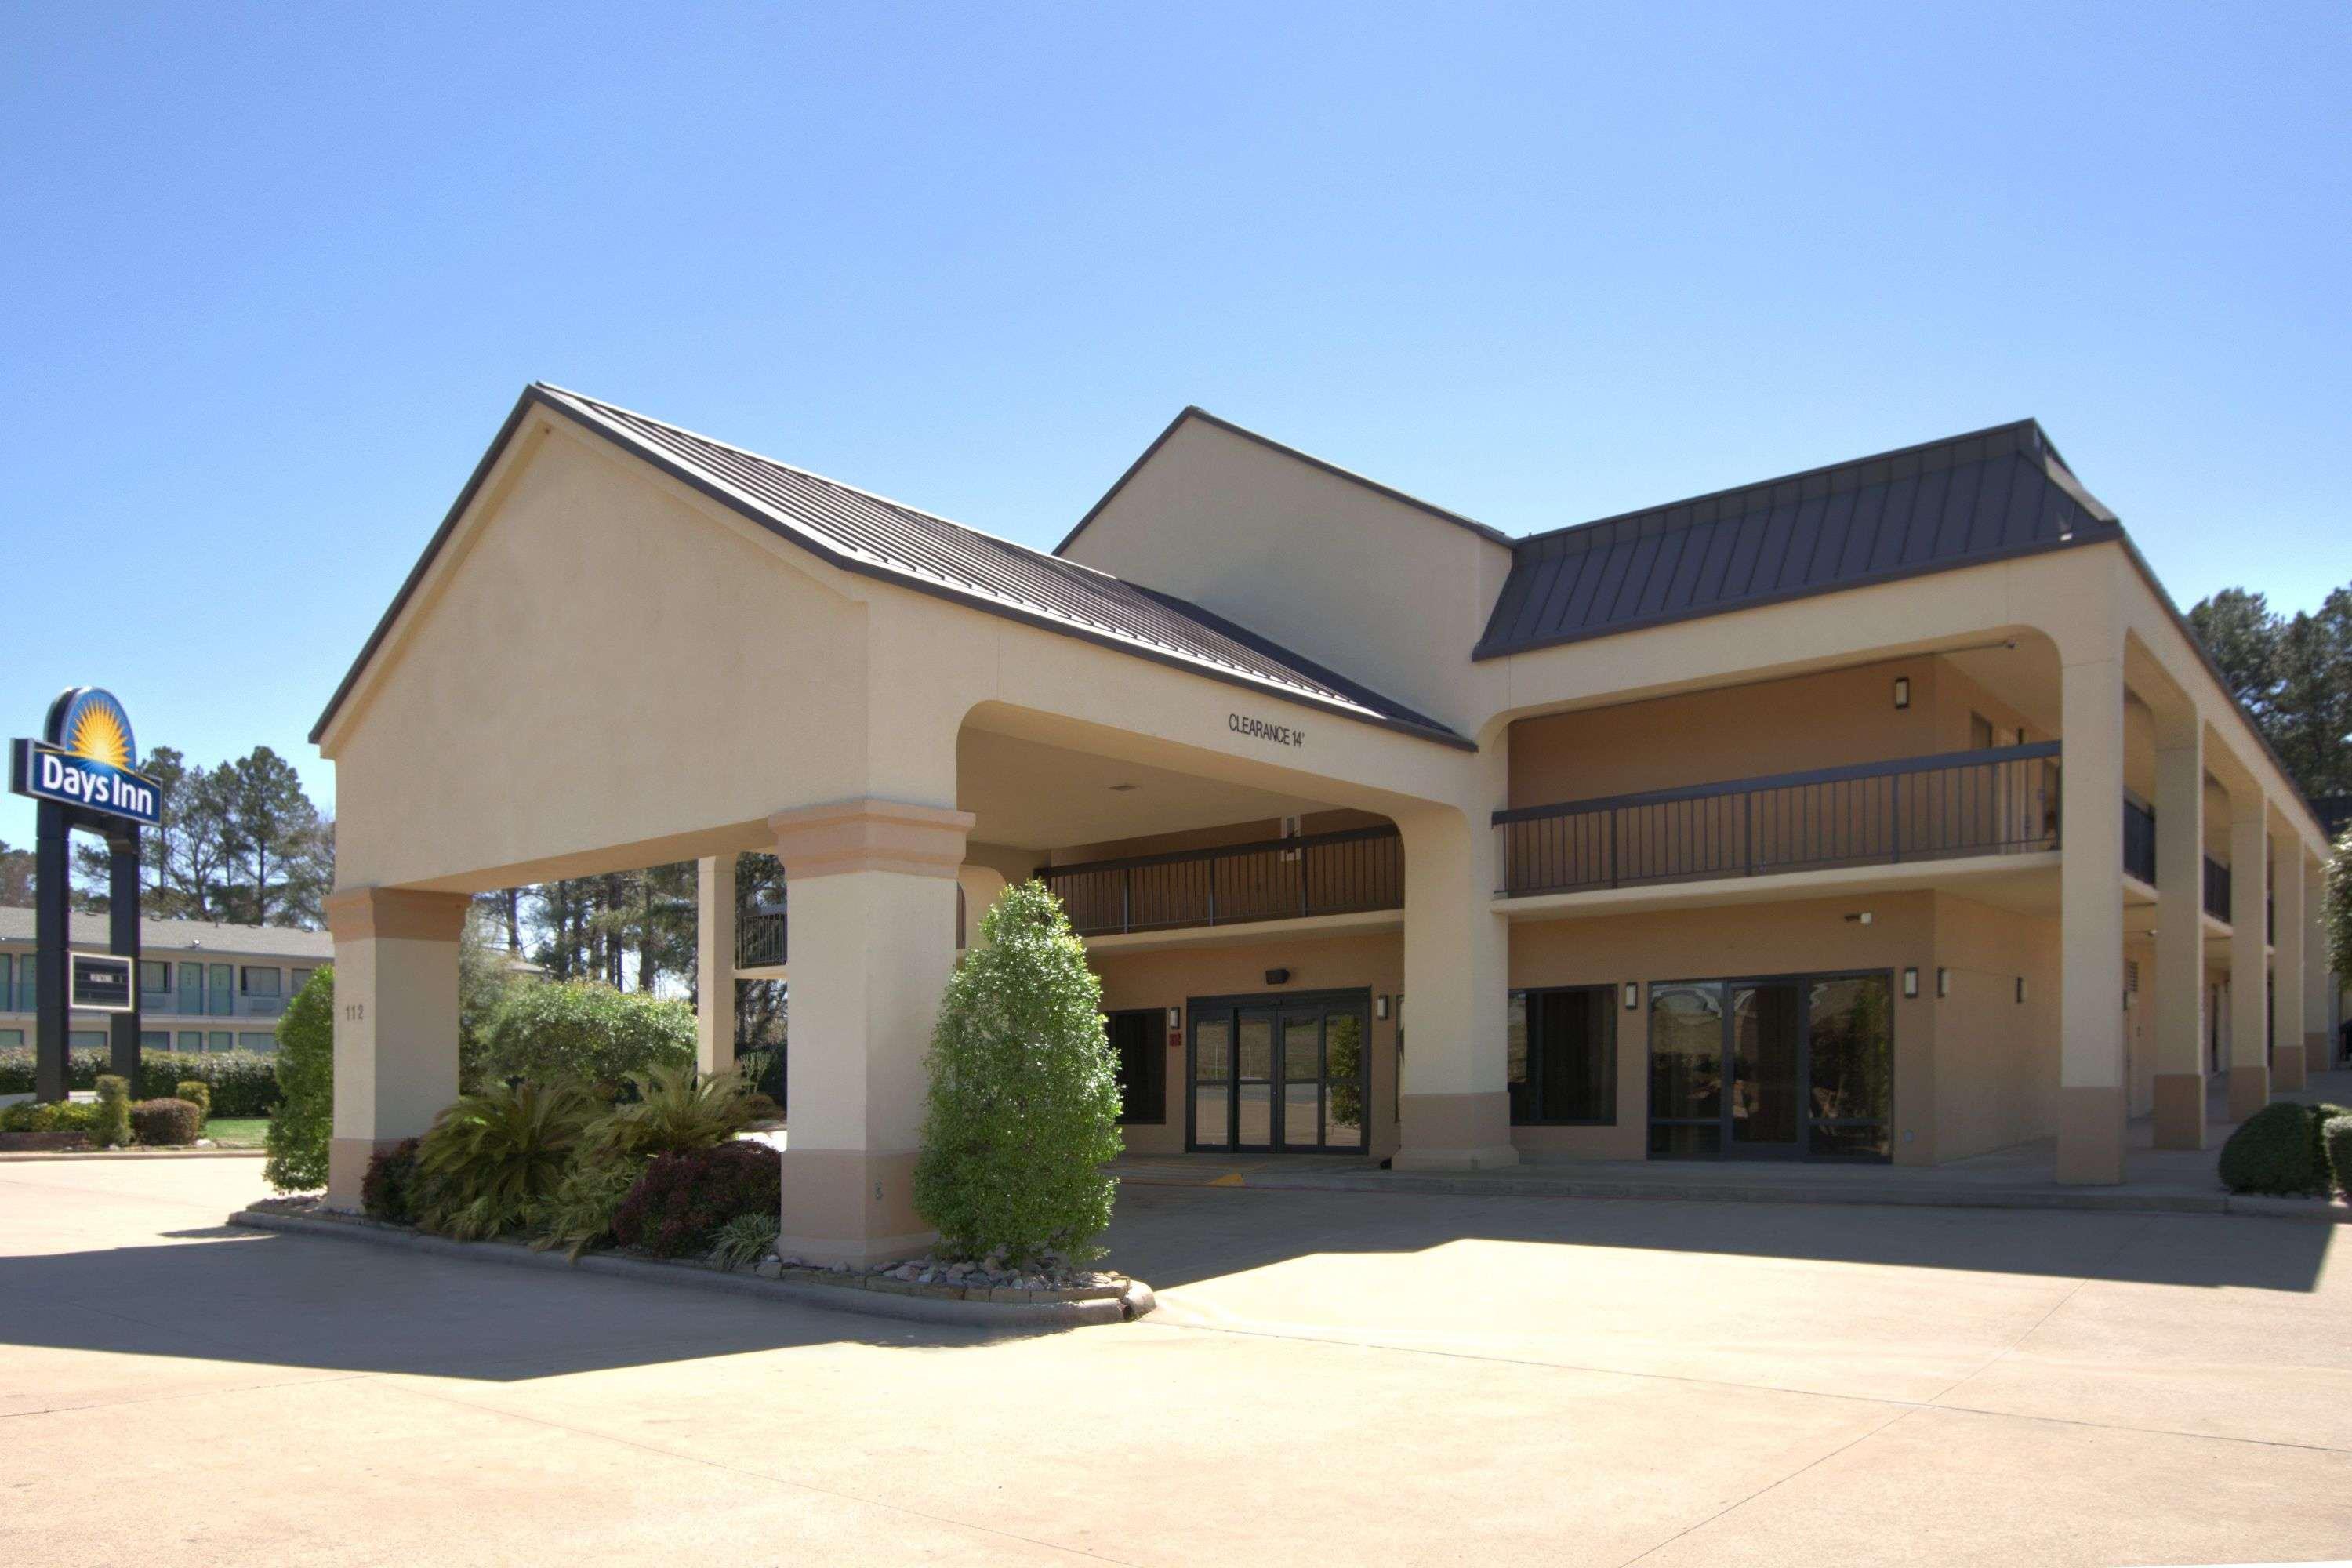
2091,1089
2180,932
714,963
871,886
2318,1044
1454,1107
2249,1062
2287,1069
395,1022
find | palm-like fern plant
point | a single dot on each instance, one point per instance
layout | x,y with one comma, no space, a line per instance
677,1110
490,1160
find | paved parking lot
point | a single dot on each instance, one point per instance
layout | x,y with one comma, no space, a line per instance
1332,1377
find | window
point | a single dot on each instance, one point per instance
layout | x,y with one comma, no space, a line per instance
192,1041
261,1043
190,998
1137,1041
23,990
220,1040
153,978
11,1039
261,982
155,1040
86,1039
1562,1057
221,986
301,977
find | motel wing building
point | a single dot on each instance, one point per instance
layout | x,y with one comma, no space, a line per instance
1884,812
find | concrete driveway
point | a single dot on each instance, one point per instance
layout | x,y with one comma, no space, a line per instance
1333,1377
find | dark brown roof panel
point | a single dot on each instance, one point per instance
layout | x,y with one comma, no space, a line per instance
1951,504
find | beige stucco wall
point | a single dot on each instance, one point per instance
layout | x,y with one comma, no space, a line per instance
1361,581
1173,977
1997,1060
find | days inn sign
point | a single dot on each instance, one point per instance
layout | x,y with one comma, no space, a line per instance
87,759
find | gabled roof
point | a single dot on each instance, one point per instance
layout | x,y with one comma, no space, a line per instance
1956,503
157,938
1194,411
865,533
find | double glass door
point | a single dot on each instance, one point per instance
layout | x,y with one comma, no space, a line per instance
1793,1066
1279,1073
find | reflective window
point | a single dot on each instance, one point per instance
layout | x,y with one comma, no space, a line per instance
1562,1056
1142,1057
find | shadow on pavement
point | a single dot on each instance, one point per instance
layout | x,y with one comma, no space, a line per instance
1182,1236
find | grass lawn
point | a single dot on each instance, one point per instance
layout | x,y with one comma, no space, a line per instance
237,1132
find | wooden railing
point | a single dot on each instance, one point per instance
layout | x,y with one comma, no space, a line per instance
1275,878
2001,800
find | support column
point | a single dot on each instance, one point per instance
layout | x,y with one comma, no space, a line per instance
871,886
2091,1090
2287,1016
2181,931
2249,1062
395,1022
714,963
2318,1043
1454,1107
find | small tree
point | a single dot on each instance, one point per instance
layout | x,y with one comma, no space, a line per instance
584,1030
1024,1107
2339,908
304,1122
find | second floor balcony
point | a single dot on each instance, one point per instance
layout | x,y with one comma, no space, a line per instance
1347,872
1999,800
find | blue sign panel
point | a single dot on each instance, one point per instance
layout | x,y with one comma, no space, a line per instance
88,759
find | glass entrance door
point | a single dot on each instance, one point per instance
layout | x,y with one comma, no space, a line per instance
1788,1067
1279,1073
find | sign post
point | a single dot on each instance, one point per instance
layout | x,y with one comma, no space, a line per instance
83,773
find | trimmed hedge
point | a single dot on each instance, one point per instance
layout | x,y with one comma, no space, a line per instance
683,1199
60,1116
2281,1148
114,1127
242,1082
586,1032
198,1093
2335,1137
166,1123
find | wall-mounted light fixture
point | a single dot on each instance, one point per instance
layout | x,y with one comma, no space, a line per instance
1911,983
1943,983
2021,990
1175,1017
1859,918
1277,977
1903,692
1381,1006
1633,995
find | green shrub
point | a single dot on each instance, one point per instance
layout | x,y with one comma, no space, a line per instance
2335,1137
242,1082
489,1164
586,1032
112,1128
2275,1150
1024,1105
58,1116
677,1206
304,1122
578,1216
746,1239
166,1123
388,1191
674,1109
198,1093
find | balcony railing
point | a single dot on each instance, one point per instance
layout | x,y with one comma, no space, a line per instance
1277,878
1998,801
759,938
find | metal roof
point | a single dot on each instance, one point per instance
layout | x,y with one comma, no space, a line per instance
1956,503
158,937
870,534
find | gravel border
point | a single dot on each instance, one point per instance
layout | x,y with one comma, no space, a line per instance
1044,1310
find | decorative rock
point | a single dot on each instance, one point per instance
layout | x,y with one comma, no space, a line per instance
769,1268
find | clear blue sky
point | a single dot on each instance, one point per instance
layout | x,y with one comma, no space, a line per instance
273,275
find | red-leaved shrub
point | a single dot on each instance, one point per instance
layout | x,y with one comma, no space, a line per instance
682,1198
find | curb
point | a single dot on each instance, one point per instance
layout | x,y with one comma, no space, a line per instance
2310,1210
1037,1316
12,1155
